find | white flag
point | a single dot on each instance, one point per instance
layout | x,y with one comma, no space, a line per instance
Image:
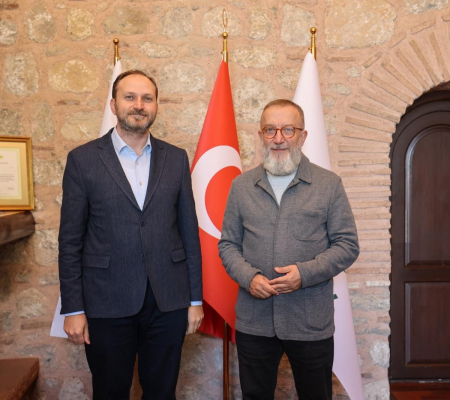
109,121
346,363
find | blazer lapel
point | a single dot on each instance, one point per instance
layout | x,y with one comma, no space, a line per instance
156,166
109,157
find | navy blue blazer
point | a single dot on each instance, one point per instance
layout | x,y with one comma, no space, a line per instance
108,246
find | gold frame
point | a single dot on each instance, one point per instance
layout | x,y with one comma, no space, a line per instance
25,200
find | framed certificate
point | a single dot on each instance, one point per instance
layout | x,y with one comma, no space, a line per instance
16,174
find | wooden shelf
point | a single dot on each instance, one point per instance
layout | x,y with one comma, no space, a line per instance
17,377
15,225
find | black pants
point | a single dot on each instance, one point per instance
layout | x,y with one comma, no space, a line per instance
259,357
157,337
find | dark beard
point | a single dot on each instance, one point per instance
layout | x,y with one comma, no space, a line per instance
134,127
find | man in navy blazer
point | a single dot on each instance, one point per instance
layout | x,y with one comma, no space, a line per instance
129,249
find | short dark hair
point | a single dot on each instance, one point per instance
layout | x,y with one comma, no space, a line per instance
132,72
285,103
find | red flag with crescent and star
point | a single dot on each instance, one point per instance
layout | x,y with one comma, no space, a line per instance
216,163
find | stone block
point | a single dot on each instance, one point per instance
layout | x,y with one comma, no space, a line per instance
127,21
154,50
42,125
82,126
75,76
80,24
369,302
250,97
423,6
45,244
256,56
11,122
21,76
190,119
47,172
379,352
56,50
212,25
288,77
296,25
72,389
40,24
6,321
177,23
76,356
246,148
362,23
339,89
49,279
183,77
5,286
31,303
378,390
8,32
97,51
260,25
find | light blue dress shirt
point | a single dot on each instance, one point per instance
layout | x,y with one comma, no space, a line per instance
137,171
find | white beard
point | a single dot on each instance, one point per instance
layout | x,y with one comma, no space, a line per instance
274,165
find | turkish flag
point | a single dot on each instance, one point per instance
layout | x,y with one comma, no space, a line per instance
216,163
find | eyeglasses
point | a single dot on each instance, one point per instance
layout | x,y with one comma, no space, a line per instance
287,131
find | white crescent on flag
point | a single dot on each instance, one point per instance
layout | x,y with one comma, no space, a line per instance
208,165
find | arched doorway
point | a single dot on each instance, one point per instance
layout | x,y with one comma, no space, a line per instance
420,290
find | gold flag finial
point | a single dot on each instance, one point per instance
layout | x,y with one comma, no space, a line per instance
225,35
313,31
116,50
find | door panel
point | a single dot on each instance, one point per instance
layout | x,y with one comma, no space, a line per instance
420,291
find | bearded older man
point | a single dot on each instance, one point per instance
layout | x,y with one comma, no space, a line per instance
288,230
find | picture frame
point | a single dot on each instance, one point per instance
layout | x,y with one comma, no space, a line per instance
16,174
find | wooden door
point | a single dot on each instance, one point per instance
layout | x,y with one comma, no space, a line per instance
420,290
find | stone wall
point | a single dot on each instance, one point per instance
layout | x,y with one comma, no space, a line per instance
374,56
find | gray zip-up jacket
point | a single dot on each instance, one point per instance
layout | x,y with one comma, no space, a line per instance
313,228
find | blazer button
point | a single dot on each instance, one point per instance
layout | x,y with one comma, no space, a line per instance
142,223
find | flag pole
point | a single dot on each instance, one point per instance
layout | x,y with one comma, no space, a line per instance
116,50
313,50
225,343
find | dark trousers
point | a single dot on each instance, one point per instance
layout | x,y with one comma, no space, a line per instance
156,337
259,357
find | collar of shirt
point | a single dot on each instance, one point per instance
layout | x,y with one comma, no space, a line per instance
120,145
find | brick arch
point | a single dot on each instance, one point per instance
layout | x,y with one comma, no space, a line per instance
391,80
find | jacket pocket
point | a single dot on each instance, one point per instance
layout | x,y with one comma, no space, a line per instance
244,306
89,260
178,255
309,225
319,305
